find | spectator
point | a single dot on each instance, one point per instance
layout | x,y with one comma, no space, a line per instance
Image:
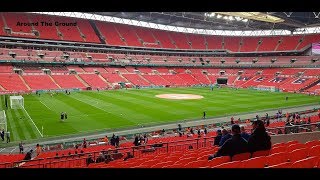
106,140
136,141
280,131
259,139
89,160
244,134
28,155
117,141
100,158
2,134
8,136
129,155
217,139
232,120
199,132
205,131
38,149
57,156
113,140
179,127
225,136
235,145
84,143
145,138
21,147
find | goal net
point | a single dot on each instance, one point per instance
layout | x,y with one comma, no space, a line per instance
266,88
16,102
3,121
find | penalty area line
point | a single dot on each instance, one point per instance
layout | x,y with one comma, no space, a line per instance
32,121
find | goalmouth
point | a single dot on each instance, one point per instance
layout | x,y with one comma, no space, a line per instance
16,102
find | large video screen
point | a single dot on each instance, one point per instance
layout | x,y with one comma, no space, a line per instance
315,48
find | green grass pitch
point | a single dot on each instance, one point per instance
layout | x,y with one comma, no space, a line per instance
90,111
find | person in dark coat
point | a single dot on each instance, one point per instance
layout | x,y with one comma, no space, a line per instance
217,139
28,155
2,135
100,158
89,160
259,139
225,136
244,134
235,145
136,141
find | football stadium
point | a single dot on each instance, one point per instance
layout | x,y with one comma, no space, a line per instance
159,90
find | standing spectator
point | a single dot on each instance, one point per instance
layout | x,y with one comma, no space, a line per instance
204,115
38,149
62,116
2,134
106,140
225,136
117,141
199,132
205,131
179,127
257,117
244,134
191,131
217,139
84,143
113,140
8,136
136,141
259,139
234,145
145,138
268,122
21,147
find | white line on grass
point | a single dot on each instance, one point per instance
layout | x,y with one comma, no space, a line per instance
45,105
32,121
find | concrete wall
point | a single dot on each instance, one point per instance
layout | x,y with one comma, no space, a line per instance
301,137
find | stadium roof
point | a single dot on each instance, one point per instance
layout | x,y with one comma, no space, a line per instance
200,20
212,23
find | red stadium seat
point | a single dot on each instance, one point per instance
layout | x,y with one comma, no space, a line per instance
310,162
219,160
233,164
298,154
281,165
258,162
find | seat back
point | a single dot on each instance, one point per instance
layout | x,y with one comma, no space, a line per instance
257,162
240,157
298,154
281,165
277,158
233,164
314,151
309,162
261,153
219,160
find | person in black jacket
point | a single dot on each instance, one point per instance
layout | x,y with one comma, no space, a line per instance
217,138
259,139
28,155
235,145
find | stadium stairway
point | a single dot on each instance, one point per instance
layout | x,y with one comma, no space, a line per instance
310,85
96,30
145,79
104,80
24,82
82,81
2,88
54,81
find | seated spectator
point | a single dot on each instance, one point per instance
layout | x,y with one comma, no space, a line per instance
244,134
100,158
217,138
136,141
57,156
28,155
235,145
89,160
280,131
129,155
259,139
225,136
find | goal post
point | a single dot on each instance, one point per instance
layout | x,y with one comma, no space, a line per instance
3,121
16,102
